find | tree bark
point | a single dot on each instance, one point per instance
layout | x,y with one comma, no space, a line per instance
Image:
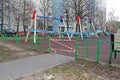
2,17
44,15
24,27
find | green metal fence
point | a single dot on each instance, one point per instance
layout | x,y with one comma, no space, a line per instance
43,42
97,50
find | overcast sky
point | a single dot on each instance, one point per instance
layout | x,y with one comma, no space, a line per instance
114,4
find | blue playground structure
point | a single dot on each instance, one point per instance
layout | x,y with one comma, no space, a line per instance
70,30
38,16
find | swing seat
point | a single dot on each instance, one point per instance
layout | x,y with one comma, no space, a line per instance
91,33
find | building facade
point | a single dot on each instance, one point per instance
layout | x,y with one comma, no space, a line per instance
57,12
5,13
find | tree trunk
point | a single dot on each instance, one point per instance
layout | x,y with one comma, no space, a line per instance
2,17
67,19
44,15
18,26
24,27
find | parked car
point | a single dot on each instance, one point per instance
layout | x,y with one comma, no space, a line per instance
9,32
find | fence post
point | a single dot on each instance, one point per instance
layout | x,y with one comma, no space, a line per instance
87,42
17,39
35,44
76,48
4,37
40,42
98,51
49,43
110,56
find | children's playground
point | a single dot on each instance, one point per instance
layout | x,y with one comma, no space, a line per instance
73,41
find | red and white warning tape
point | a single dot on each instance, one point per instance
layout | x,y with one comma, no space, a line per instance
63,50
72,50
62,40
63,45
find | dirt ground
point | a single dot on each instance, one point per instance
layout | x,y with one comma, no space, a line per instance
12,52
77,70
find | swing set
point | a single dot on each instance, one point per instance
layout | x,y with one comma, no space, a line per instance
77,29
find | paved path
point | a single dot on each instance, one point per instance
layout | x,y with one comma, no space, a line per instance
13,69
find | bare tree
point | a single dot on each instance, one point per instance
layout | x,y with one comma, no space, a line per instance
24,15
22,11
77,8
43,11
27,10
2,17
100,19
16,9
112,21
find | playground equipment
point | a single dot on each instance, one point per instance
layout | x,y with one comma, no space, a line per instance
38,16
34,16
78,29
65,27
33,19
34,29
91,28
61,25
78,23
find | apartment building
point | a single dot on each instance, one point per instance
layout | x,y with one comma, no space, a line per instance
5,13
57,12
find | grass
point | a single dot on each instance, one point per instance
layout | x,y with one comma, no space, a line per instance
84,70
5,54
65,72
